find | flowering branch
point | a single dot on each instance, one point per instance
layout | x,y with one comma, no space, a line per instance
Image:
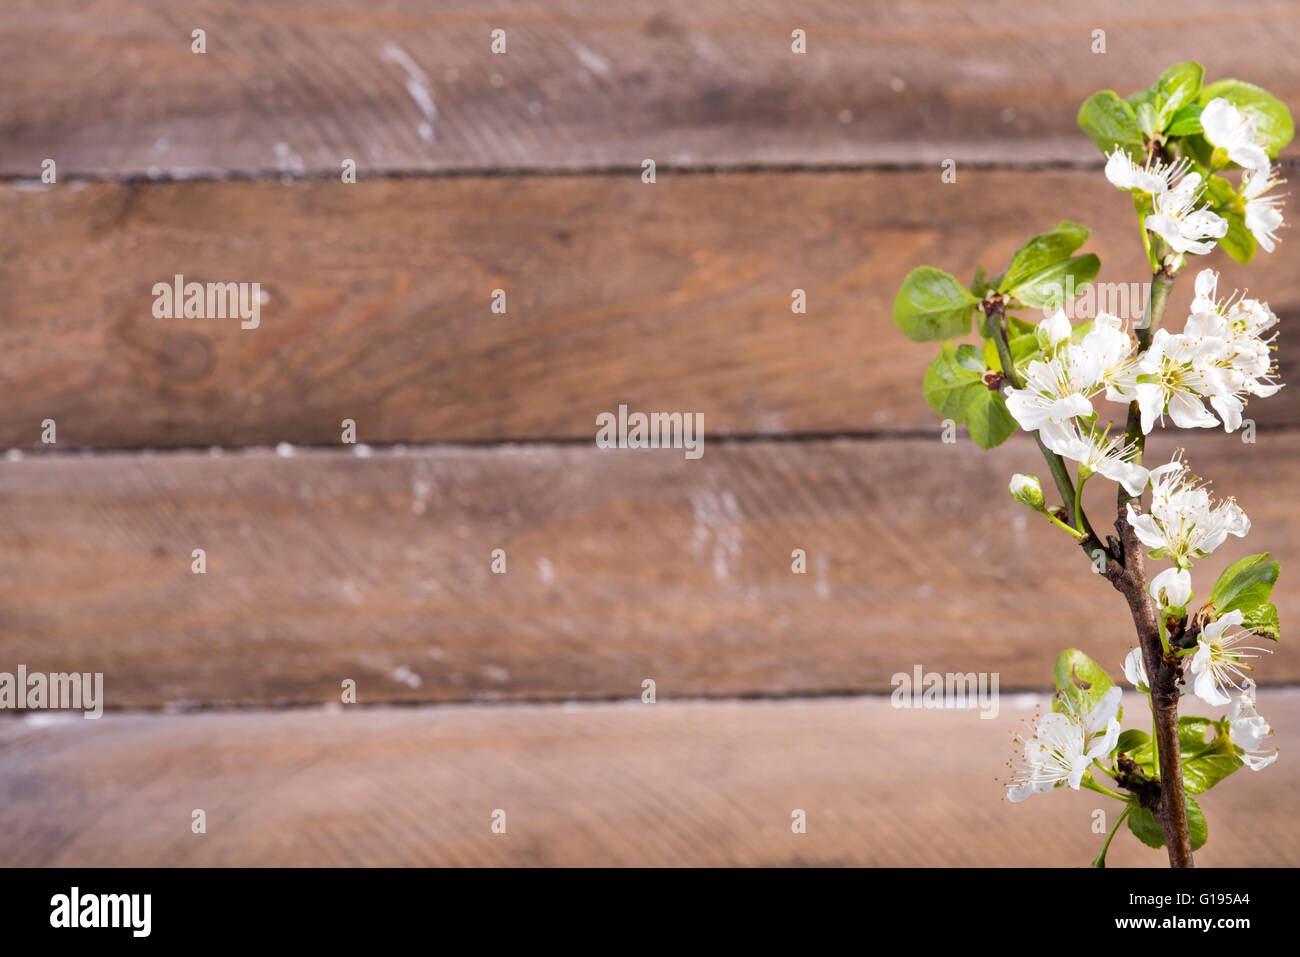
1169,147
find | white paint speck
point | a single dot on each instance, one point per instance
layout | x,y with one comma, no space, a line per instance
545,571
592,60
822,587
417,86
419,496
717,517
407,677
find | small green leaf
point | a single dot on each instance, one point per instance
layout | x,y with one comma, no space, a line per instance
1078,677
1222,199
1050,288
1148,120
1147,829
932,305
1110,122
1244,585
971,359
988,420
1274,127
1186,121
979,285
1178,86
1204,772
1131,741
1238,242
1191,733
1197,829
1263,621
1042,251
948,385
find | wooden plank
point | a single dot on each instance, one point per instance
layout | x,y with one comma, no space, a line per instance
670,297
413,85
620,566
607,785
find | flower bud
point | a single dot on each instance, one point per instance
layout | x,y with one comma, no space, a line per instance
1027,490
1172,588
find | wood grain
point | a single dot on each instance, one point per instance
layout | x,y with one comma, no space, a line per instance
296,87
605,785
671,297
620,566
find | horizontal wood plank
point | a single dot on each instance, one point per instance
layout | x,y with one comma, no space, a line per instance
671,297
297,87
605,785
620,566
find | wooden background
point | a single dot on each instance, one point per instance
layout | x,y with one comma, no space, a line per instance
522,172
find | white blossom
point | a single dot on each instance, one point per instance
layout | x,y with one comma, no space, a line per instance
1247,729
1064,744
1174,374
1055,390
1234,132
1219,662
1111,456
1135,670
1179,223
1155,177
1172,588
1263,213
1184,522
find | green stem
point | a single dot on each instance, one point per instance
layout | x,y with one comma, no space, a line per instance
1061,525
1100,860
996,317
1079,519
1096,763
1092,785
1139,204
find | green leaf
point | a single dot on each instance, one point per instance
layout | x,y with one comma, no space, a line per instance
1191,733
1078,677
971,359
1110,122
948,385
1042,251
1049,288
932,305
1263,621
1197,829
1205,764
1186,121
1244,585
1178,86
1131,741
1274,127
979,285
988,420
1238,242
1201,774
1147,829
1148,119
1222,199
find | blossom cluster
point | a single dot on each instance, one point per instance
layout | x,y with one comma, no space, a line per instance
1175,191
1222,356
